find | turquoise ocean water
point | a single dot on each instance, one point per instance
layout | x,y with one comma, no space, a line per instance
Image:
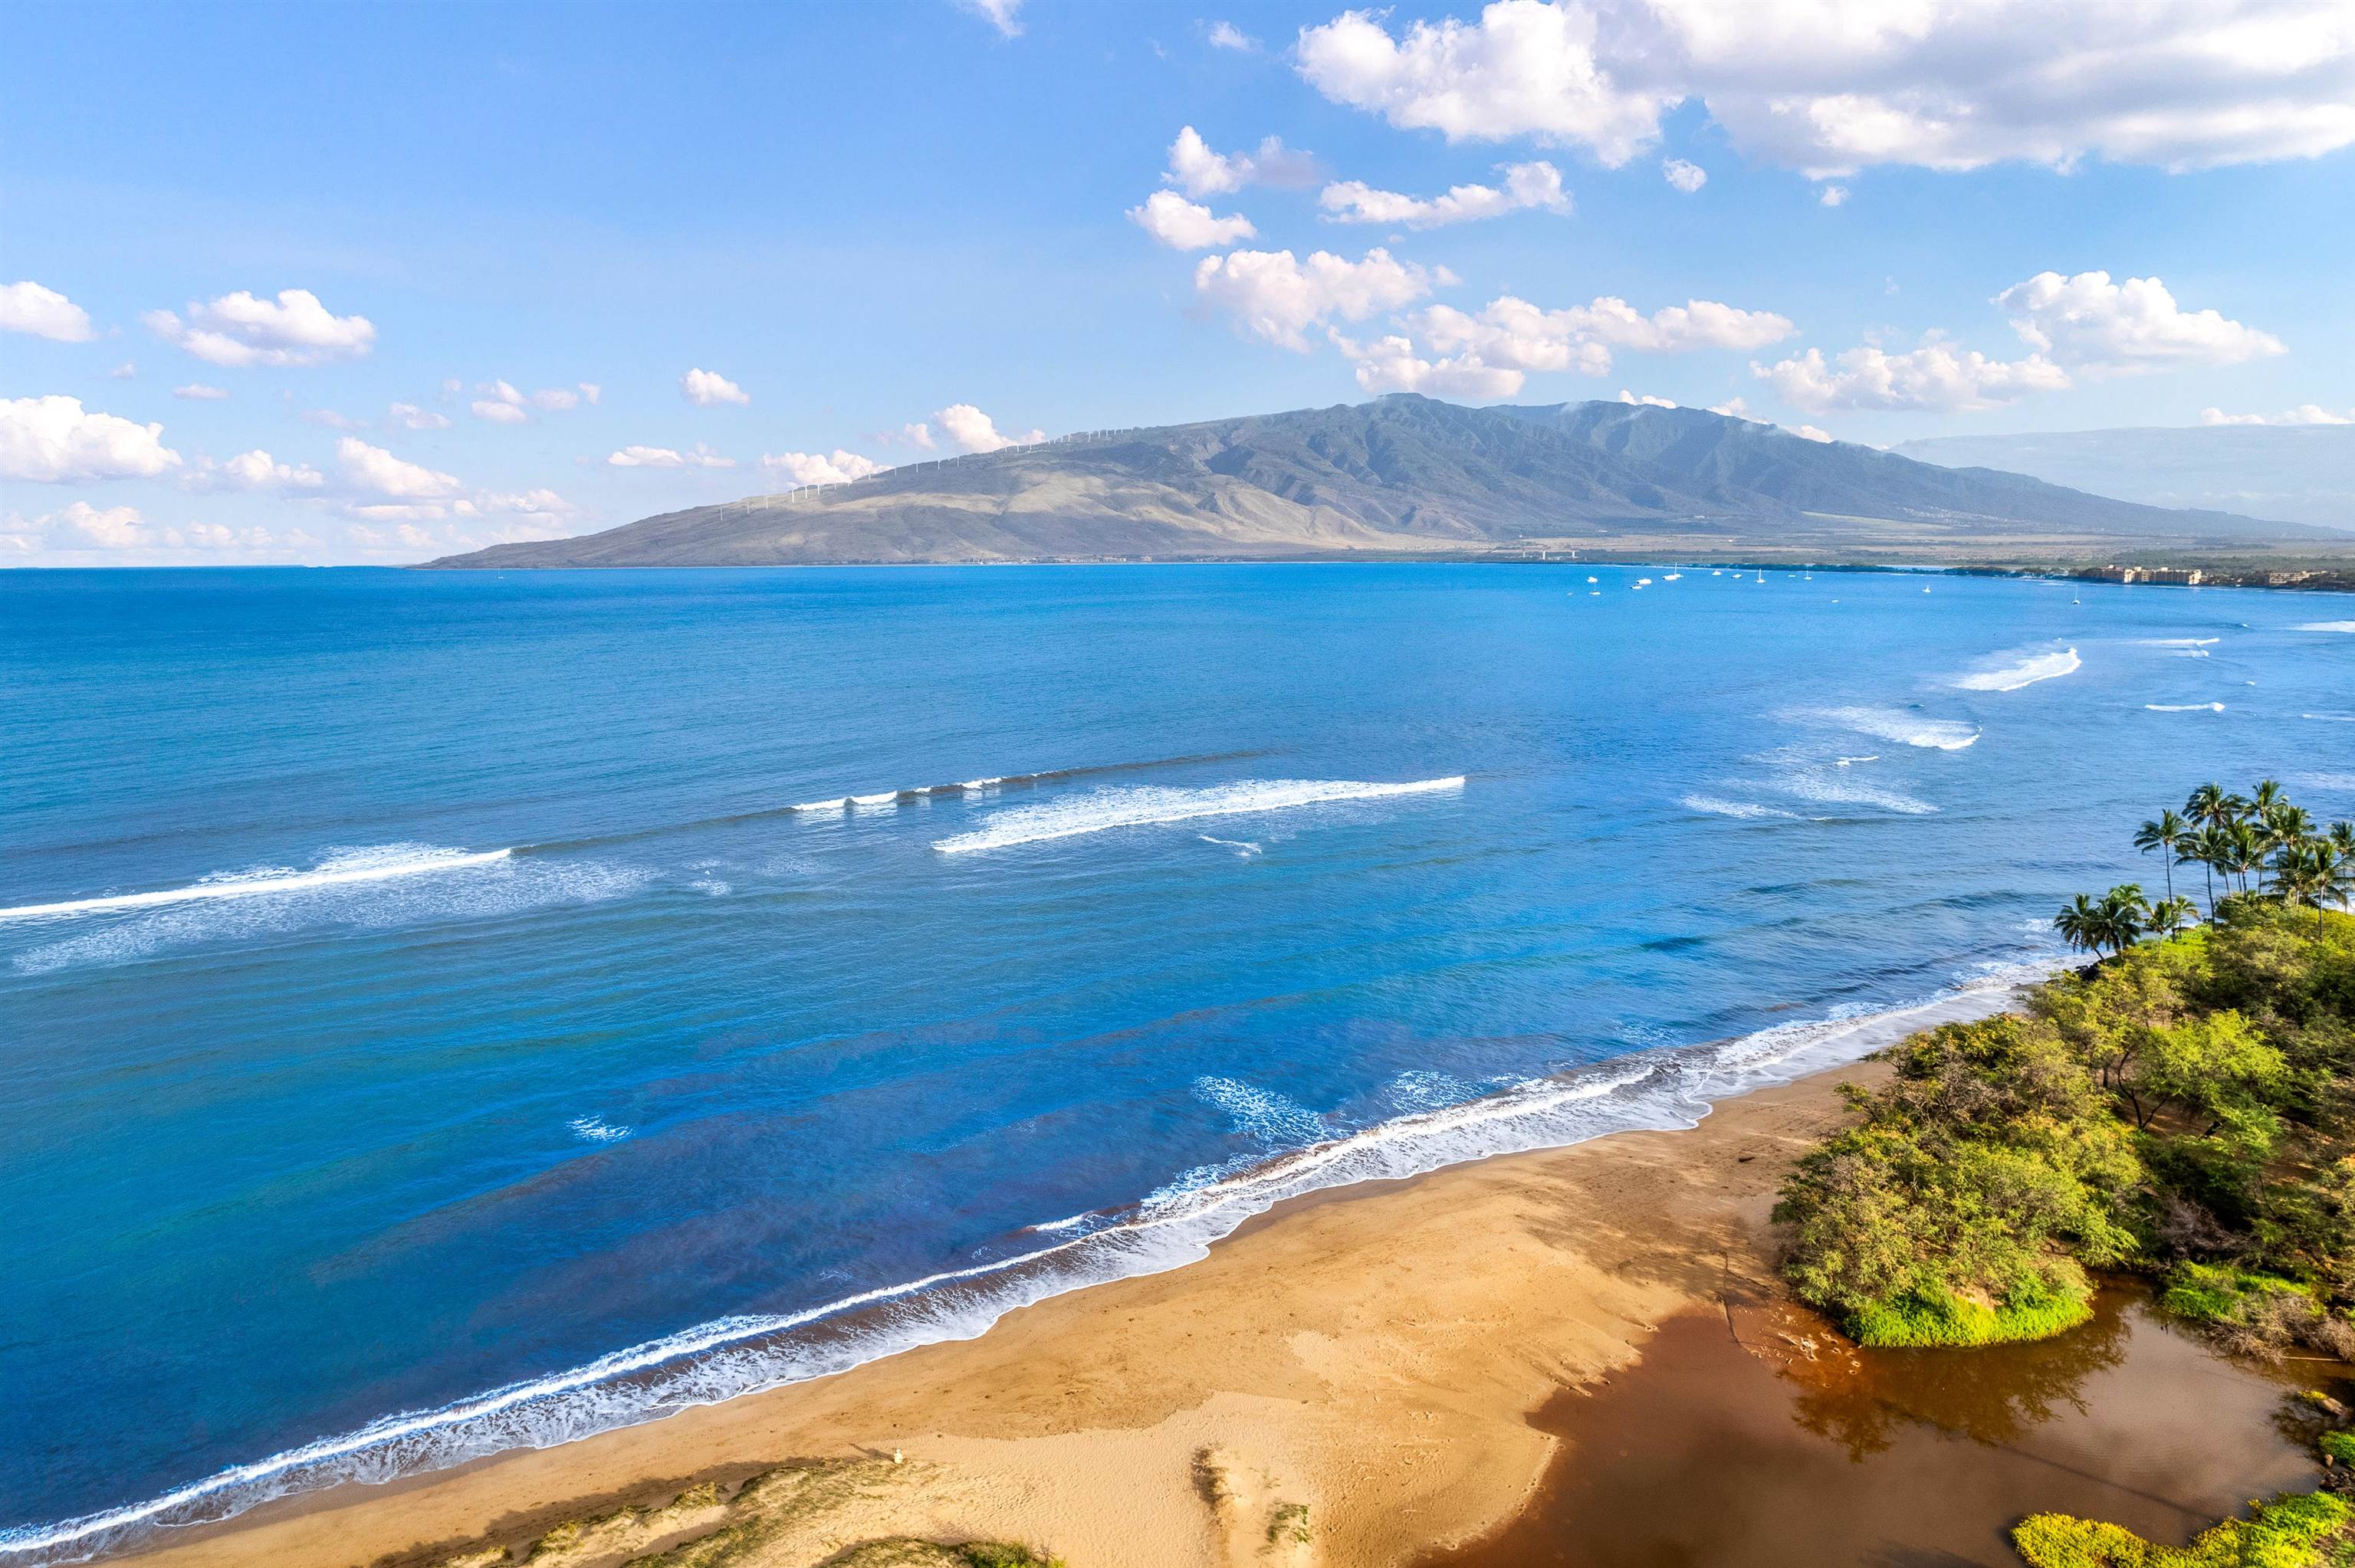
446,1013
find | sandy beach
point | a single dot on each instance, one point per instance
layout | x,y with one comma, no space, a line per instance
1374,1355
1369,1377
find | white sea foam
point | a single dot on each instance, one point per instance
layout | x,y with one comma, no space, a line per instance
1829,786
1101,811
2185,707
2010,672
868,802
739,1355
1912,728
379,863
486,889
2328,626
1852,761
839,803
1263,1113
2178,642
2330,719
1746,811
595,1129
2338,783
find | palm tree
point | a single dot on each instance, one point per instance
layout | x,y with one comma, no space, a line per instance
2171,915
2123,911
2248,849
2079,923
2302,872
2207,845
2281,826
2268,796
2166,834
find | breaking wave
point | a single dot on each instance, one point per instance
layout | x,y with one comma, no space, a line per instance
1896,724
2327,626
2019,670
2185,707
1102,810
380,863
1744,810
734,1356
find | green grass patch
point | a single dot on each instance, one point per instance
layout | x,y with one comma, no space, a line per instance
1956,1323
2212,1293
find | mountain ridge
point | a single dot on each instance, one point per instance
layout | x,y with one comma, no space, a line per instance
1402,476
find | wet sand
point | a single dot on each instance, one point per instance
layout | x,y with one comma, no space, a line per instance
1746,1440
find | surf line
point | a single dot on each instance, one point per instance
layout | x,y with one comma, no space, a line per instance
245,887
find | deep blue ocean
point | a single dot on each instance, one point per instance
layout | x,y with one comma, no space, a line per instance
503,1057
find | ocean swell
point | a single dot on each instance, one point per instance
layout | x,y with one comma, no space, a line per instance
730,1356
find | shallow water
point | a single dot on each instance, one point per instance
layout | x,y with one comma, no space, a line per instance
1704,1456
861,932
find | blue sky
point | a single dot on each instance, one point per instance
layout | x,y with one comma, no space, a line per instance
860,219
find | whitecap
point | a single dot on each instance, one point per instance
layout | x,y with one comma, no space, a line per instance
1148,805
1745,810
2010,672
2327,626
2185,707
1243,849
1913,729
595,1129
336,868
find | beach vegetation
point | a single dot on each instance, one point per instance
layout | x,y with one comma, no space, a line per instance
2183,1109
2308,1530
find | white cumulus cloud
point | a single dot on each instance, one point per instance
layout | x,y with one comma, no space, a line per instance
54,441
1393,364
409,416
197,392
1274,295
27,307
1198,171
665,457
1830,87
1936,377
377,471
818,468
708,389
1525,68
2114,328
1527,186
1832,196
1227,36
256,470
239,330
1686,177
1006,16
1646,400
1183,224
976,432
2303,414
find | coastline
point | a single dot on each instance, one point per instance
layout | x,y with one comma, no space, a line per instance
1373,1351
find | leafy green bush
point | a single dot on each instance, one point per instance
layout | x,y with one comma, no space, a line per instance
2299,1531
2185,1108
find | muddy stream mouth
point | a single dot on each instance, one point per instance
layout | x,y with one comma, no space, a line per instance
1749,1436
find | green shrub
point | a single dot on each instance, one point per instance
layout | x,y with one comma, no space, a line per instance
2299,1531
1958,1322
